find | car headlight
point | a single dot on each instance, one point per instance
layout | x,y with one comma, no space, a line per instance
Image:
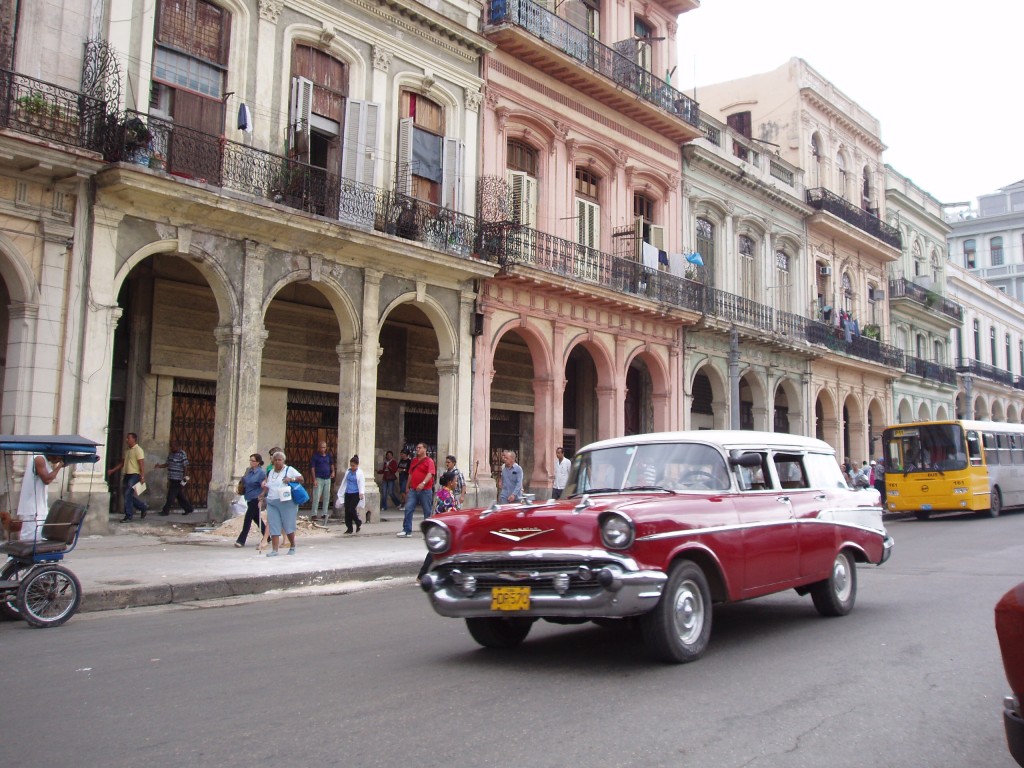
437,536
616,531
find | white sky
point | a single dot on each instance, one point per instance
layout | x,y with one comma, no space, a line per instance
943,78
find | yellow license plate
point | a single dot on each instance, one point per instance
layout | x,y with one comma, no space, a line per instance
510,598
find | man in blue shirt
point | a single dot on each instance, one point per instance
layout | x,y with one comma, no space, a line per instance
177,467
322,465
511,479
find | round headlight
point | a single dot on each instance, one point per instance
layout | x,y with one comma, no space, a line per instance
616,532
438,537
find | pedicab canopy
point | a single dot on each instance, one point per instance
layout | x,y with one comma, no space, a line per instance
74,449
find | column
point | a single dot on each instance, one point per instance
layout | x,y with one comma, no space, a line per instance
266,59
226,419
359,377
542,474
21,336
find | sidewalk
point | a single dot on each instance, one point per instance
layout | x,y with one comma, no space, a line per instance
174,560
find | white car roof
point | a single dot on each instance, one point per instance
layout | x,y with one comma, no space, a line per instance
723,438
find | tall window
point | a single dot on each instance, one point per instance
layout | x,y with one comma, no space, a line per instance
705,244
977,339
319,142
521,167
190,57
992,345
588,223
936,267
643,214
865,191
748,268
938,352
970,254
585,15
841,173
918,259
783,284
421,146
643,34
995,249
1009,355
847,287
816,159
919,346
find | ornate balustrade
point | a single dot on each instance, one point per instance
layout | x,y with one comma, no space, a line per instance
927,369
903,288
50,112
823,200
985,371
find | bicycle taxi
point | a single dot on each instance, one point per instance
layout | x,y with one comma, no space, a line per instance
34,586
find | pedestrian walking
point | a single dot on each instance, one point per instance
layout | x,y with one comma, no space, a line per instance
134,464
389,481
252,490
460,480
511,489
562,466
420,488
282,511
323,467
351,493
177,478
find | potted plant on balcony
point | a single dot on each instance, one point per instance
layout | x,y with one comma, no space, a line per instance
33,108
872,331
137,139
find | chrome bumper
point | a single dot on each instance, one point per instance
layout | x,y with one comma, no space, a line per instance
887,546
616,593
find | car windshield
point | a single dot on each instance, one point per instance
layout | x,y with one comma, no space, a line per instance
657,466
925,448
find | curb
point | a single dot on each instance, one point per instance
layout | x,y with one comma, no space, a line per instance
189,592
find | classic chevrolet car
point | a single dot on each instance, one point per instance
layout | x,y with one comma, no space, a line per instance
658,528
1010,630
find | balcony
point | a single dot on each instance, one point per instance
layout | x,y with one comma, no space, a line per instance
907,289
821,199
543,40
931,371
51,113
857,346
159,145
990,372
765,166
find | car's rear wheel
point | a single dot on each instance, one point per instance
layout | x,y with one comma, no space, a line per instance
679,627
493,632
835,595
995,504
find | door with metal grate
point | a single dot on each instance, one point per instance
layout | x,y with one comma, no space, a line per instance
193,415
312,418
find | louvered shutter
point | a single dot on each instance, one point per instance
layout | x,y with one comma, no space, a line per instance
403,171
298,119
359,152
451,174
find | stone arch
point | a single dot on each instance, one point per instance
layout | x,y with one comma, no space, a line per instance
447,336
648,182
998,412
1012,416
660,384
714,413
794,415
529,128
603,358
923,412
904,411
826,417
540,352
941,414
17,273
981,411
855,441
209,267
757,418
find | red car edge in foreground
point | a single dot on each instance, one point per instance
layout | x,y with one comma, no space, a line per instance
1010,630
658,528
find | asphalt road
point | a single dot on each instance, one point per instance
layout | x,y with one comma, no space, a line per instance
374,678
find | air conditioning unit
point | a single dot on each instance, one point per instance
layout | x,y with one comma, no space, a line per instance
825,271
877,294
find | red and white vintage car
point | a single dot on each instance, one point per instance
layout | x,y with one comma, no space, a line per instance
1010,631
659,528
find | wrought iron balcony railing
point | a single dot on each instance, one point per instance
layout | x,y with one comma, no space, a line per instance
857,346
49,112
823,200
159,144
929,370
571,40
985,371
903,288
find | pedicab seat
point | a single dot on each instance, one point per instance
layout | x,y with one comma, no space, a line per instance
59,532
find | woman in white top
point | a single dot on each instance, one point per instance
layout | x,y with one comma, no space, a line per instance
351,493
34,505
282,511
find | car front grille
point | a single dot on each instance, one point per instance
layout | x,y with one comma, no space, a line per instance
540,576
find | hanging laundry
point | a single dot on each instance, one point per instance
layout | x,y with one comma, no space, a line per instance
650,255
244,118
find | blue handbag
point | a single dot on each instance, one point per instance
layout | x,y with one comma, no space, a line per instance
299,493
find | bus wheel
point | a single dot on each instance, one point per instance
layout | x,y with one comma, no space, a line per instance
995,504
922,515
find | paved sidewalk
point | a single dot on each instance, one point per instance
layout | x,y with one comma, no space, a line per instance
171,560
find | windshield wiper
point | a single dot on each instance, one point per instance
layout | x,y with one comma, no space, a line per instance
649,488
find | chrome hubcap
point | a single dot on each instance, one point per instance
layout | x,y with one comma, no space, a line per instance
841,577
689,612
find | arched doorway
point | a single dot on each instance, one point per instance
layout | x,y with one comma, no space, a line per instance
512,404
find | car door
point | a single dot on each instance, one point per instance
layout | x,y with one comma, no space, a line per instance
815,534
771,550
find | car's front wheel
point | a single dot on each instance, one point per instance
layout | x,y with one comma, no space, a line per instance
835,595
498,632
679,627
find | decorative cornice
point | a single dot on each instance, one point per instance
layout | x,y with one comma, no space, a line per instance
270,10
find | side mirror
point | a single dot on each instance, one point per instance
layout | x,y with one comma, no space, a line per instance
744,459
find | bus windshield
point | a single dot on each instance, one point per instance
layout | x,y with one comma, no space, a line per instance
925,448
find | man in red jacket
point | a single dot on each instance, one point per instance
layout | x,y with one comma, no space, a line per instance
421,488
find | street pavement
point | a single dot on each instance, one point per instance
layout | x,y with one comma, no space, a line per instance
163,560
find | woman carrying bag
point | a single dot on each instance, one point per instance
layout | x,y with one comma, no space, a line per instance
282,509
251,488
351,492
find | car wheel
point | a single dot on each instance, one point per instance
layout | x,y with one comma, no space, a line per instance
679,627
995,504
835,595
13,570
49,596
498,633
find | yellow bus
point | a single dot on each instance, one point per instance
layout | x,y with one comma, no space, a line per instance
953,466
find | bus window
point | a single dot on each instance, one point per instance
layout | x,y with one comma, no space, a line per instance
1017,449
991,451
974,448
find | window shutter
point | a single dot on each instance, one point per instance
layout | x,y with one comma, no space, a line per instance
298,120
638,238
403,178
451,173
658,237
587,223
524,199
358,154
